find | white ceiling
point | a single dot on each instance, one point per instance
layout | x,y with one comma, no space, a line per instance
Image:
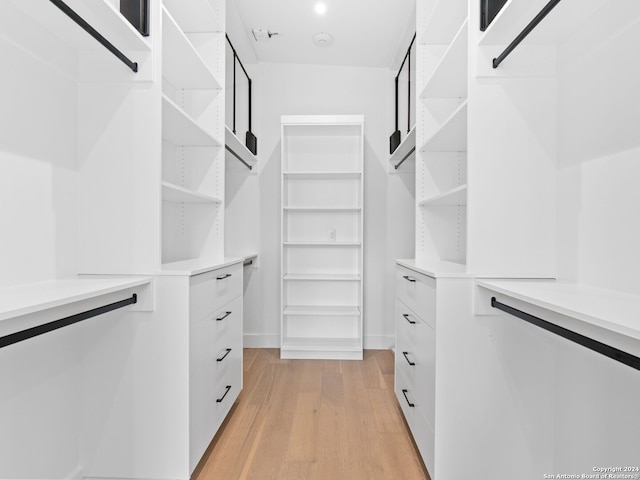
372,33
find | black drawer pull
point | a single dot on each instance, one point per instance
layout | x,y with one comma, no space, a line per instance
407,359
226,314
224,356
406,316
409,279
222,277
228,387
404,392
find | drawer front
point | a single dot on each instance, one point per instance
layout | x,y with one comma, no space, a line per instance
211,398
210,291
421,431
416,357
418,292
220,329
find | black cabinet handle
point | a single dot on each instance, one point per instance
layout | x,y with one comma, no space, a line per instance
409,279
404,392
224,356
407,359
222,277
406,316
226,314
218,400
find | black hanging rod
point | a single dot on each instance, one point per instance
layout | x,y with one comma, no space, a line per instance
590,343
238,157
94,33
247,263
396,166
527,30
63,322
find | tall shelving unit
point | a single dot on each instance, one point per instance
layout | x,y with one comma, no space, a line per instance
441,166
322,236
192,133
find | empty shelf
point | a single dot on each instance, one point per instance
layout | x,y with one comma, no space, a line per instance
194,16
177,194
322,244
341,277
449,79
452,134
180,129
453,197
444,21
182,65
321,310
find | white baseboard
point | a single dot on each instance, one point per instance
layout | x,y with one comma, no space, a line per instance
258,340
379,342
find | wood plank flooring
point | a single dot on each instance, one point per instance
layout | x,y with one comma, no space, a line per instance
314,420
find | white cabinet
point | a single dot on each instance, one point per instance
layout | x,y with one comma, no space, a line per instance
322,236
215,353
415,364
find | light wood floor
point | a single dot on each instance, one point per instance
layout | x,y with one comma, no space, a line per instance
314,419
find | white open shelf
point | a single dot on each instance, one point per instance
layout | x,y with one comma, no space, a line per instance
180,129
452,134
182,65
36,297
444,21
102,15
322,175
315,344
194,16
322,209
177,194
558,25
453,197
449,79
607,309
403,150
340,277
233,143
321,310
322,244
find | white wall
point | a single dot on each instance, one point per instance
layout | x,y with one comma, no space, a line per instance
308,89
38,417
598,162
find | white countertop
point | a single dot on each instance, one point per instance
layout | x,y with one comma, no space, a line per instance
197,266
611,310
436,269
35,297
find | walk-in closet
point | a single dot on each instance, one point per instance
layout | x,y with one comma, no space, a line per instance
319,239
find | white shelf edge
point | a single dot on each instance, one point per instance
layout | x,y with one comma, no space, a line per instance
460,36
437,268
196,266
338,277
199,18
234,144
181,116
321,209
610,310
322,244
445,126
321,175
404,149
321,310
177,194
37,297
448,198
436,18
200,78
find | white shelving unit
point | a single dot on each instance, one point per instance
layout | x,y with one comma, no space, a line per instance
322,236
192,133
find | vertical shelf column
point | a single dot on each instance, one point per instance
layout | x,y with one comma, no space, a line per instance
322,236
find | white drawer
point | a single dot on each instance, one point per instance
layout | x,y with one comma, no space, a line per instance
222,328
418,292
422,432
210,291
416,357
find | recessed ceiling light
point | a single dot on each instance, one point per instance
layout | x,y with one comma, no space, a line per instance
321,8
